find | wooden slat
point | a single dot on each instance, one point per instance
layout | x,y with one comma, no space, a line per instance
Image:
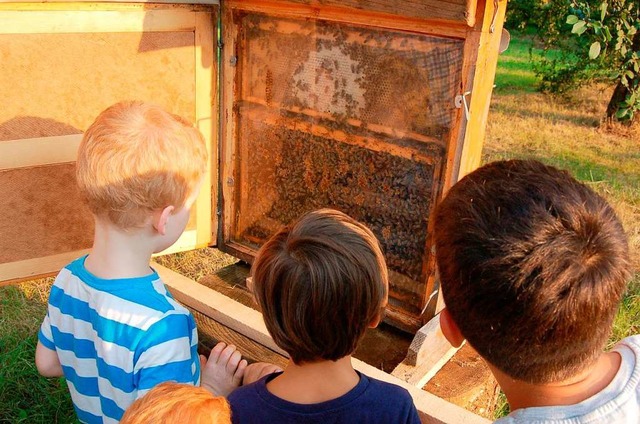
430,23
38,151
211,332
249,322
429,351
218,307
484,75
206,121
44,22
228,127
120,1
456,10
30,269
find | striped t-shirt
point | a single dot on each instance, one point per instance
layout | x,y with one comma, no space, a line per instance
116,339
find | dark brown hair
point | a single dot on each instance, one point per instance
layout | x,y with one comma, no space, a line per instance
532,265
320,282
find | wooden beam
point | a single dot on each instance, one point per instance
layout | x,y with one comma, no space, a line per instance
429,351
217,306
119,1
249,322
434,24
39,151
61,21
206,121
30,269
484,73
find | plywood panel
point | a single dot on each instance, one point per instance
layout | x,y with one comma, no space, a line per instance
42,213
56,84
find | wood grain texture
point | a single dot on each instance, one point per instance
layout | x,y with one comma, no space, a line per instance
448,15
211,332
38,151
30,269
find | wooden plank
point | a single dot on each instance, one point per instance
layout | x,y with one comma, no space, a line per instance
431,409
355,136
355,123
44,22
206,121
211,332
119,1
483,78
228,132
218,307
433,26
30,269
94,5
428,352
31,152
249,323
456,10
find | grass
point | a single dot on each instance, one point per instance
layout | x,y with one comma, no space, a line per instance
565,132
25,397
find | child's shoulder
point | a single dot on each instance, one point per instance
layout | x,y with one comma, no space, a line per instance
383,389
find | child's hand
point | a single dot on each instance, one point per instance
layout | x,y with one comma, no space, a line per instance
224,370
256,371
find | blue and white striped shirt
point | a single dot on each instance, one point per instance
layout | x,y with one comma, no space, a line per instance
117,339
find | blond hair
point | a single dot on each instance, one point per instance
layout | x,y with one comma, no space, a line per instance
178,403
136,158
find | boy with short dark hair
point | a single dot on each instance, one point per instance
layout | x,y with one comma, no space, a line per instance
112,328
533,265
320,283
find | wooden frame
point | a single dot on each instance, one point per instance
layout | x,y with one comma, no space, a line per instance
82,18
462,145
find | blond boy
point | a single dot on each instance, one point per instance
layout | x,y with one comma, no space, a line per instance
112,329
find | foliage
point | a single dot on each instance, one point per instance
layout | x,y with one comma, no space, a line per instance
613,34
585,41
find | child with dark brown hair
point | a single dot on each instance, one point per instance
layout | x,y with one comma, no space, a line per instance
533,265
320,283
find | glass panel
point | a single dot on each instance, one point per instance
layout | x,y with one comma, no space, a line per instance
358,119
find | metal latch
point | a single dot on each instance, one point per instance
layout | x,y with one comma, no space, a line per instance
460,101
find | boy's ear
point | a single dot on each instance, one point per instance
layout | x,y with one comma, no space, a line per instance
160,219
378,318
450,329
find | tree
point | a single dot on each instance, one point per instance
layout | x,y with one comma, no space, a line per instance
613,30
588,40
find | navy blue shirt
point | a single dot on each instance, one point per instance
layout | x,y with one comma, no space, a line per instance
370,401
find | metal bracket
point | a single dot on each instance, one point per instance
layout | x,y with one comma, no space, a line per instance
460,101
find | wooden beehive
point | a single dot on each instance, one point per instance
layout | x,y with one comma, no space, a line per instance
371,107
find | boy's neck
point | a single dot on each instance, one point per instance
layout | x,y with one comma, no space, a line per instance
315,382
118,253
568,392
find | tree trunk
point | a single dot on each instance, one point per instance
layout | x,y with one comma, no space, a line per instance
620,92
